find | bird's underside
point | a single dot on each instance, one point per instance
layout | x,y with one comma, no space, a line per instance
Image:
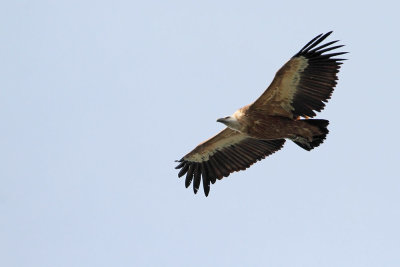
302,86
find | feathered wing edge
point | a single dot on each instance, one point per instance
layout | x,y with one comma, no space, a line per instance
226,160
318,79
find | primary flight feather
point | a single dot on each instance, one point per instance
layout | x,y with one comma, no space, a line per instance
302,86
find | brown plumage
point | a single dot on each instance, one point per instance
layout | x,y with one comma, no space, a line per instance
302,86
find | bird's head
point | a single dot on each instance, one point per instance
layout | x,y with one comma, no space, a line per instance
231,122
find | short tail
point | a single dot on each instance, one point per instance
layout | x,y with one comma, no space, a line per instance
316,139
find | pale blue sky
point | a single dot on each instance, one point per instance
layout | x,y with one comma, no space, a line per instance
98,98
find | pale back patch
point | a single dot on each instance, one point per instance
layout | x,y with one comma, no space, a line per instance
289,82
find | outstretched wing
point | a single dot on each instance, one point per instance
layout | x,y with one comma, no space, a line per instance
227,152
305,83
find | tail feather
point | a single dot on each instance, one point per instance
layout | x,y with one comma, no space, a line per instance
316,139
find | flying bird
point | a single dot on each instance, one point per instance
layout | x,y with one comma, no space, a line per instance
300,87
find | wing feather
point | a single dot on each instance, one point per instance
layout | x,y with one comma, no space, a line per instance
184,169
206,180
197,178
227,152
216,173
189,175
305,83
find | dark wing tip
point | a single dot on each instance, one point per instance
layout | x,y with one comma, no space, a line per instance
196,172
310,42
196,178
318,79
206,179
189,175
314,42
184,169
180,165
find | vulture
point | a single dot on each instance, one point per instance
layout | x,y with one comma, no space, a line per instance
283,112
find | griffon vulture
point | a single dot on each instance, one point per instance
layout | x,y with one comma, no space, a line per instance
302,86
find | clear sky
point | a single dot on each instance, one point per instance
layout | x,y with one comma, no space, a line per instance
98,98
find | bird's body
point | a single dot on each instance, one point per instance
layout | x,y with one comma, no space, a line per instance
254,123
257,130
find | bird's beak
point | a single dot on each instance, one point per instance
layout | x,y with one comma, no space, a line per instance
222,120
